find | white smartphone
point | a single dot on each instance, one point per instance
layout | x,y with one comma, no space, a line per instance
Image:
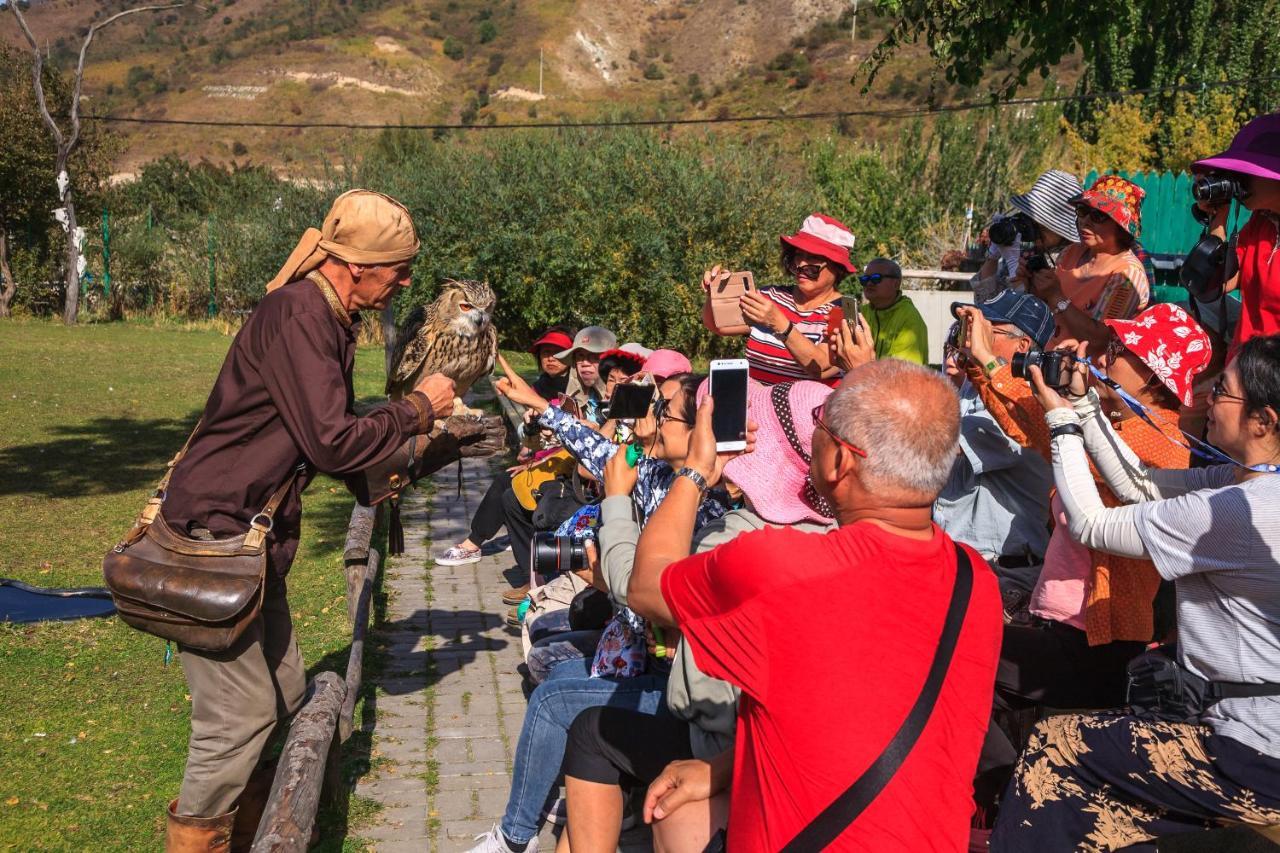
729,390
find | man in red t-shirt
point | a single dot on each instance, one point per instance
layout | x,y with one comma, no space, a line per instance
1253,162
830,636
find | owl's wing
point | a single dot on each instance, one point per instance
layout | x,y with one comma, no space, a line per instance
411,348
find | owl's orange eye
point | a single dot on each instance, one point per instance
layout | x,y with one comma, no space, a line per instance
466,306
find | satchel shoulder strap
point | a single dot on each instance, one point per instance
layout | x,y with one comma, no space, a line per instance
259,526
835,818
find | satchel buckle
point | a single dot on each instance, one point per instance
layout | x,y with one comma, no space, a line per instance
266,528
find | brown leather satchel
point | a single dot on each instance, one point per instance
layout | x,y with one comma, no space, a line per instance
201,594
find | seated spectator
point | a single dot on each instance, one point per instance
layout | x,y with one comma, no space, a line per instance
610,747
1048,205
1099,278
1094,610
1253,160
586,385
617,365
662,363
621,674
830,636
997,498
1109,781
786,325
897,329
553,378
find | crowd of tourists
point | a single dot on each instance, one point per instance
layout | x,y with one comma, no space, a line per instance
897,593
1027,599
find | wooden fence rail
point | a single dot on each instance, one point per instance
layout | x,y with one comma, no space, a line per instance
309,762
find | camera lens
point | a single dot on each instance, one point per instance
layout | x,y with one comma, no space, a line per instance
1022,360
555,554
1003,232
1216,189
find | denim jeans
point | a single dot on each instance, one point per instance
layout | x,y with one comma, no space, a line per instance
553,707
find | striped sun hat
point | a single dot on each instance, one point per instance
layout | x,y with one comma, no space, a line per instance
825,237
1048,203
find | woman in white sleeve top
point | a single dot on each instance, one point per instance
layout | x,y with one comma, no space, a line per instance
1111,780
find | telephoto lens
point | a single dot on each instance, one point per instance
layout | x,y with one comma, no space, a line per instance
554,554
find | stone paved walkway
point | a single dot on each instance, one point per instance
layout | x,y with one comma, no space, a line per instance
449,703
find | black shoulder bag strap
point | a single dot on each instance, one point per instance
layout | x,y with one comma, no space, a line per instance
835,818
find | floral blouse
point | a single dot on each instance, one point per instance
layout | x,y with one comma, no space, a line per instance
621,652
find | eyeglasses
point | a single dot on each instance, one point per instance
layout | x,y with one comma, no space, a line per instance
662,412
875,278
817,421
1017,336
807,271
1219,392
1090,214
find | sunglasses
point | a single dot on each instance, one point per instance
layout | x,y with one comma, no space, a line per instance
875,278
1219,392
662,412
818,422
1089,214
807,271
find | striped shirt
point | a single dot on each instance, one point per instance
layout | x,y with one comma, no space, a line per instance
770,360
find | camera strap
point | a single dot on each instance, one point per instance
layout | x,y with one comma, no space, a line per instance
1197,447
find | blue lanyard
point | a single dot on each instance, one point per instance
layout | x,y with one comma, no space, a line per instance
1197,447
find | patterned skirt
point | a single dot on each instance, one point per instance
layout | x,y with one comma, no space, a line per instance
1097,782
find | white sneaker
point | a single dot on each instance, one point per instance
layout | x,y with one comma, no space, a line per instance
493,841
458,556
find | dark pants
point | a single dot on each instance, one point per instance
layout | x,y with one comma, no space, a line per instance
1050,665
1110,781
616,746
488,515
519,522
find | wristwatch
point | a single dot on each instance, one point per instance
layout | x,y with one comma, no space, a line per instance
1060,306
696,478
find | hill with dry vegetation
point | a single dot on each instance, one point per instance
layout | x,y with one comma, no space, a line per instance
472,61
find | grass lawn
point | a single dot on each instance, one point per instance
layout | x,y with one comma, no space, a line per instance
95,724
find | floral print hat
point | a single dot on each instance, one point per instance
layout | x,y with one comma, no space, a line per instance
1169,342
1117,198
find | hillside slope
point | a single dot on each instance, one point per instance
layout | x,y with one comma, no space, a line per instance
476,61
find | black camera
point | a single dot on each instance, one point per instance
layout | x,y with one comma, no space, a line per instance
1216,188
1055,366
1037,262
1008,230
554,554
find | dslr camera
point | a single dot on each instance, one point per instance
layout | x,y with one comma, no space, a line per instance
554,554
1217,188
1055,366
1011,230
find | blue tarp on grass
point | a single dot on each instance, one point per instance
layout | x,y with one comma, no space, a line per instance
20,602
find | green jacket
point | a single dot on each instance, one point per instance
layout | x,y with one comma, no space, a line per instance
898,331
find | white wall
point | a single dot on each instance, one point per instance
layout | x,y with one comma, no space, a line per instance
935,307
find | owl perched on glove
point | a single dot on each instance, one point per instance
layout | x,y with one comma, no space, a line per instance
454,335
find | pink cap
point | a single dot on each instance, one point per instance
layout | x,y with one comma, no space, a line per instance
666,362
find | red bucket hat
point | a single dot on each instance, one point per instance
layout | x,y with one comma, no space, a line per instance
1169,342
825,237
1117,198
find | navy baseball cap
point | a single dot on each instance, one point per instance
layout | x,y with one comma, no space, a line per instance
1027,312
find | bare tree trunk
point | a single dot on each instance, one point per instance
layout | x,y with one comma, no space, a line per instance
10,286
66,143
71,304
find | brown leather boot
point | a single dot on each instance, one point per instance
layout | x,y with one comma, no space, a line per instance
250,806
198,834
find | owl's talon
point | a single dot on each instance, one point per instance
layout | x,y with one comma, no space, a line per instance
461,409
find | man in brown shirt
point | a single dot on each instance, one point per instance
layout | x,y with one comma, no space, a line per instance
283,401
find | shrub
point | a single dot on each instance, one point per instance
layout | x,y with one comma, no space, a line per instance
487,32
452,48
652,71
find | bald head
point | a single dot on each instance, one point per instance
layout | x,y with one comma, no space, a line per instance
907,419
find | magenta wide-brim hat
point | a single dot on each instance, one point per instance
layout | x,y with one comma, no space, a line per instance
774,476
1255,150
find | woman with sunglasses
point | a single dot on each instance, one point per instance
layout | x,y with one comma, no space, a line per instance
1117,780
622,675
787,324
1100,278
